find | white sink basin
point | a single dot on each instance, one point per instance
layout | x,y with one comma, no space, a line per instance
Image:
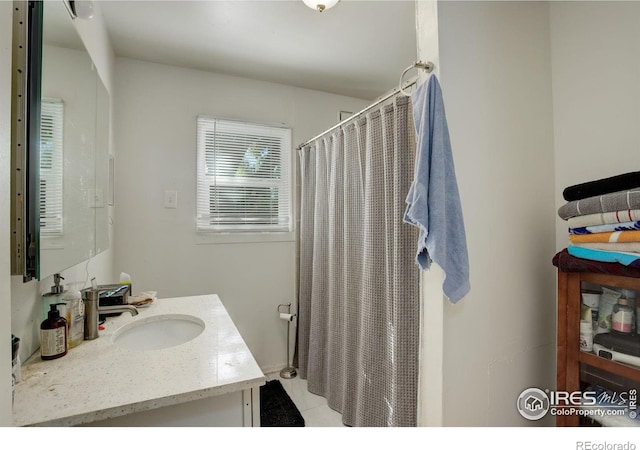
158,332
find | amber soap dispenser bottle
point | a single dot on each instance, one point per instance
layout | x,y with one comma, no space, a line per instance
53,334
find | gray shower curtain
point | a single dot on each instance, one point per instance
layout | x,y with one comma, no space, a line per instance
358,304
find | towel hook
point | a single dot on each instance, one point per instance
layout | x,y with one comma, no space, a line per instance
428,66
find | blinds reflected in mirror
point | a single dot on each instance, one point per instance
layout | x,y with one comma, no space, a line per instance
244,181
51,167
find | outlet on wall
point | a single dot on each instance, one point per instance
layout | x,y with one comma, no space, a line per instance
171,199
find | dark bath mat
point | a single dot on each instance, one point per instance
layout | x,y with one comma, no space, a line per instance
276,407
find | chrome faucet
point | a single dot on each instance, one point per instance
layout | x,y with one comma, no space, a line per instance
92,310
118,308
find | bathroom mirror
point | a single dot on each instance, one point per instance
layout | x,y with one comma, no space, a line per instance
74,148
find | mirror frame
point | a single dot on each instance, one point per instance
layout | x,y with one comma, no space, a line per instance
25,138
26,112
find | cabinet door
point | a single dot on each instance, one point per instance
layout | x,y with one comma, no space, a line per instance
220,411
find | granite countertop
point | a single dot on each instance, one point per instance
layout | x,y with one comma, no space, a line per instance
98,380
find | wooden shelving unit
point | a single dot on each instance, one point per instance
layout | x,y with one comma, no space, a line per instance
569,356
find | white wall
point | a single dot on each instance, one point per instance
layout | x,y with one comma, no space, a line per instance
500,339
596,94
26,302
155,128
6,20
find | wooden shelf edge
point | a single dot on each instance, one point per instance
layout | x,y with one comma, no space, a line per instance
625,370
611,280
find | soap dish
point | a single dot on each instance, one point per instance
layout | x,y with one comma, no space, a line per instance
143,299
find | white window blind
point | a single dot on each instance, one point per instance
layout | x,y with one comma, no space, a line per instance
51,145
244,181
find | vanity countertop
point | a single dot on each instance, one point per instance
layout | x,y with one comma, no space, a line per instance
98,380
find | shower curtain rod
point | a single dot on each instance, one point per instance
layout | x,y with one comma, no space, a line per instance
427,66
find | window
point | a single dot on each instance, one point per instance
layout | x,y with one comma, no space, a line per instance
51,131
243,177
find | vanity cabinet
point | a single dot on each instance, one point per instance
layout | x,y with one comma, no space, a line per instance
235,409
212,379
581,370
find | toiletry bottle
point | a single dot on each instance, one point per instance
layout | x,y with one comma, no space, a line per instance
632,296
637,315
53,335
592,300
75,316
586,335
55,296
623,316
125,278
608,300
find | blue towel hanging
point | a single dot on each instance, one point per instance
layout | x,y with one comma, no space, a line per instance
433,202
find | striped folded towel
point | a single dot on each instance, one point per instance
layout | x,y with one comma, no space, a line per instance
613,236
625,226
616,201
627,215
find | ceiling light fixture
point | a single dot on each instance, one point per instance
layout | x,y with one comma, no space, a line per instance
320,5
80,8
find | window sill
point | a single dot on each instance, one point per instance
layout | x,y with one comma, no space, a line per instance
204,238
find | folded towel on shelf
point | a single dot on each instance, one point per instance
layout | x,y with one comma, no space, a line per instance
603,186
625,226
626,259
611,236
627,215
628,247
568,263
616,201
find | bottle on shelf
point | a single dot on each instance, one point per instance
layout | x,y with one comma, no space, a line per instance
74,316
52,297
634,302
637,315
623,316
608,299
53,334
591,300
586,335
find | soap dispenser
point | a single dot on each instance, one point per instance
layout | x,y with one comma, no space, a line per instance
75,316
53,334
55,296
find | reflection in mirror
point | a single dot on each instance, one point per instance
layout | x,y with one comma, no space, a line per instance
101,198
73,130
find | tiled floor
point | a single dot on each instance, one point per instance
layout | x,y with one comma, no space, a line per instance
313,407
